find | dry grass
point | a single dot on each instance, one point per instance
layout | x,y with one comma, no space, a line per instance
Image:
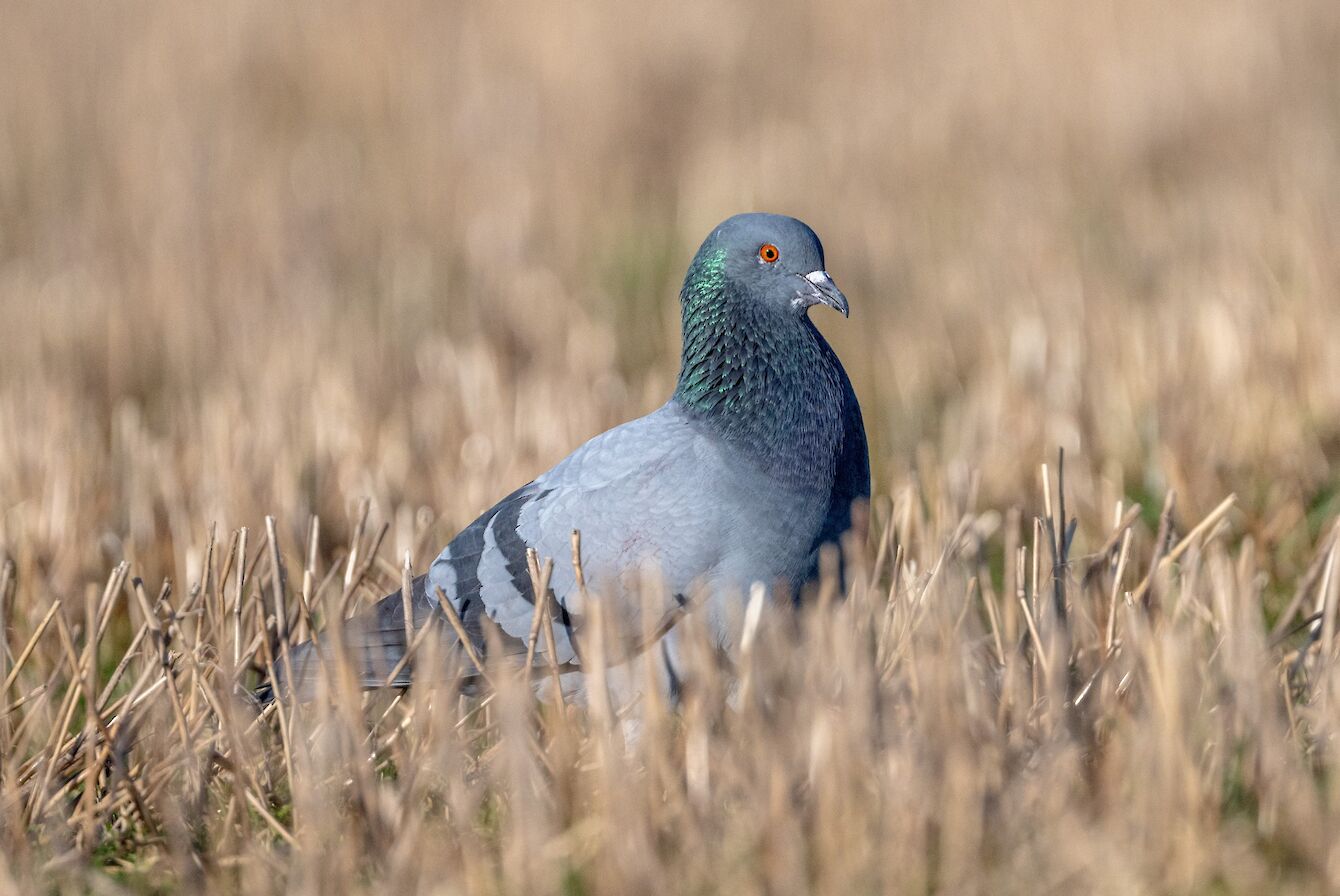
258,259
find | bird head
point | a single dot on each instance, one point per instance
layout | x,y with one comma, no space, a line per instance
771,259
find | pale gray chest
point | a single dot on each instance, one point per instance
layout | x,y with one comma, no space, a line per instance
772,524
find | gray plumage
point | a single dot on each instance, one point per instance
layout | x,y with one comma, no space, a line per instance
750,467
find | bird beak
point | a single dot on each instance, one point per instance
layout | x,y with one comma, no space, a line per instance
820,289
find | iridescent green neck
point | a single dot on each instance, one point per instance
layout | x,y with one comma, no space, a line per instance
758,375
704,325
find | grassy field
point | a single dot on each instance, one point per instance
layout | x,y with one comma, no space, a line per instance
374,265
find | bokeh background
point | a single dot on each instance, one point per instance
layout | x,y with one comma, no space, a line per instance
273,258
283,259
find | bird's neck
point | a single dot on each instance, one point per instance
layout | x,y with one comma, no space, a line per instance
771,386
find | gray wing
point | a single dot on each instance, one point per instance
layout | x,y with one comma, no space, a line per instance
634,492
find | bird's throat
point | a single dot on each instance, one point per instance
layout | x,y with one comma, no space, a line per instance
762,379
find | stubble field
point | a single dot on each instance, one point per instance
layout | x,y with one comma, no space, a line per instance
378,265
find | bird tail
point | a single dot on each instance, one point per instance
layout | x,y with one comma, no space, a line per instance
373,645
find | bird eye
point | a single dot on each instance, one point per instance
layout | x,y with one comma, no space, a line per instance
769,253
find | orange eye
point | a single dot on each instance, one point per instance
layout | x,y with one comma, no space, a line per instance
769,253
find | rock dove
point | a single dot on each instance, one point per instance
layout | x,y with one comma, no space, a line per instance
752,465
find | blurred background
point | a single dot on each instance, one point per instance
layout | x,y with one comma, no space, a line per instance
277,258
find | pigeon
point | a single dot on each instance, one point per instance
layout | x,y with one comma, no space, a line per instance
740,479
